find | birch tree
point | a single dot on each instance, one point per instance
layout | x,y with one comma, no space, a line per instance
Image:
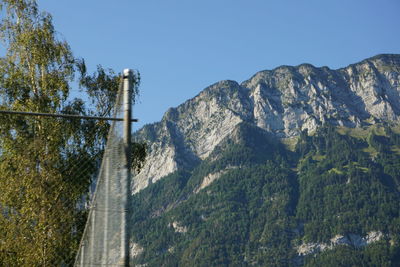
46,165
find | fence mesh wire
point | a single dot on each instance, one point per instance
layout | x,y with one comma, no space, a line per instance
102,241
47,182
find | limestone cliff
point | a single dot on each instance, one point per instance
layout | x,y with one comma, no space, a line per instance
284,101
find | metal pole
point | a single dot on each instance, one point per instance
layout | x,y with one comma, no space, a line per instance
83,257
126,181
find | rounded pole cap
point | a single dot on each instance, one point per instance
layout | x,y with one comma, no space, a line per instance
127,72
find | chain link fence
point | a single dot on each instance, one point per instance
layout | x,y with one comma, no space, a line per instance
49,168
105,239
47,172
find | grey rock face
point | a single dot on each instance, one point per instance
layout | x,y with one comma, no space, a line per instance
340,240
283,101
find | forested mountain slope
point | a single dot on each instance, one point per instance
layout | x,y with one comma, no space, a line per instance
305,173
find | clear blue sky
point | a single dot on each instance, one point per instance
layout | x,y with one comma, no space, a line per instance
182,46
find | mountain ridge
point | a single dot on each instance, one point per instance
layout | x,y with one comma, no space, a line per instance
296,167
284,102
332,201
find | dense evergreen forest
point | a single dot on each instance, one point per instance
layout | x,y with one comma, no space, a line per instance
264,200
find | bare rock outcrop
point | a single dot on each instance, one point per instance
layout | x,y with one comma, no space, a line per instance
283,101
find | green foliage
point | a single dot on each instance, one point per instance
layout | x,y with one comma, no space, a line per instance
259,209
378,254
264,185
46,165
36,200
103,85
355,198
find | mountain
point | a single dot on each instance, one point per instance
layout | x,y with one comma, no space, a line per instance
295,166
284,102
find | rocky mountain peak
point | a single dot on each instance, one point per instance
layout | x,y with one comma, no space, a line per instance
283,101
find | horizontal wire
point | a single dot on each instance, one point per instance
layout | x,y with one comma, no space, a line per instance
101,264
111,210
62,115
